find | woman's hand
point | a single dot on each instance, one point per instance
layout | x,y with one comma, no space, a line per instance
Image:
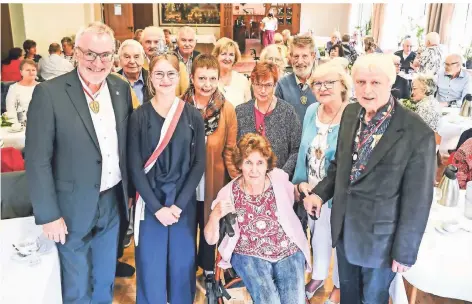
221,209
166,216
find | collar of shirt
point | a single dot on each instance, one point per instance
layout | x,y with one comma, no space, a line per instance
305,85
381,113
181,58
102,86
139,80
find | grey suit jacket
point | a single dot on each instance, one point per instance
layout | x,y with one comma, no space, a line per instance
383,214
63,159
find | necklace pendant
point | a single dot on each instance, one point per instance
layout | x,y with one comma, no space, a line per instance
94,106
355,156
303,100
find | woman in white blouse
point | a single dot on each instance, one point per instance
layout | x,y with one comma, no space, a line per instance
269,26
20,93
234,86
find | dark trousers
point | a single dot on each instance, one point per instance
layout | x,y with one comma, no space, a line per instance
361,284
165,260
206,253
124,224
87,262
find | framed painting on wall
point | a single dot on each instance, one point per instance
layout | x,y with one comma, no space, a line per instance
205,14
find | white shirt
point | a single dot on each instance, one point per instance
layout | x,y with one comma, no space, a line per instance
105,127
18,95
316,167
238,91
270,24
53,66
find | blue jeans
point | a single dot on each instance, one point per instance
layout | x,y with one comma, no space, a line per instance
361,284
282,282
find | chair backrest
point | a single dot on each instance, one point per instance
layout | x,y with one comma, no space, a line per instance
15,200
5,87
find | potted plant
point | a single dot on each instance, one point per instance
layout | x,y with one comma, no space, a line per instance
468,57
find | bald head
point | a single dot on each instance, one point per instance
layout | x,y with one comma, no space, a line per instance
54,48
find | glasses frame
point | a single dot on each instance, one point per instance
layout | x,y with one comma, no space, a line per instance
102,56
329,85
154,75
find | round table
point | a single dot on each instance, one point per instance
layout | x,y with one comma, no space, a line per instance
444,264
12,139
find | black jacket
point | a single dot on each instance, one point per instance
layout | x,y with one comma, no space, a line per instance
383,214
401,88
405,62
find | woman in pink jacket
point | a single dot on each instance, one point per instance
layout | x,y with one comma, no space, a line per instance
269,250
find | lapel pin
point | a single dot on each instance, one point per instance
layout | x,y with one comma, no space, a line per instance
117,93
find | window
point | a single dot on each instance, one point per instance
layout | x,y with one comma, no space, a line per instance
461,28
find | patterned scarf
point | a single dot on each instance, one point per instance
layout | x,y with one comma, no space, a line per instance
211,114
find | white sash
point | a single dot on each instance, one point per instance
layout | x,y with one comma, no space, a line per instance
140,204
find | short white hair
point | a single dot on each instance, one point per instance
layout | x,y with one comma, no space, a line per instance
336,68
341,61
152,30
407,39
131,42
432,38
186,29
98,28
396,58
337,34
458,56
383,62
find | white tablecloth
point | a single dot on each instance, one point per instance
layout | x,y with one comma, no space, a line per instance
451,127
444,264
21,283
15,140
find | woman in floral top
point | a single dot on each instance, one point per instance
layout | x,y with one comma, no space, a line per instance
422,94
463,161
431,58
269,249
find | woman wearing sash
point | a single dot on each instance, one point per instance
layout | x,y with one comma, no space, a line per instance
165,220
220,135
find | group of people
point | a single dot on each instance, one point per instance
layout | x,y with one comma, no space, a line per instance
185,140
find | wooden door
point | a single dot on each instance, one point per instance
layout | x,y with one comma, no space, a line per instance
288,16
142,15
7,37
120,18
226,20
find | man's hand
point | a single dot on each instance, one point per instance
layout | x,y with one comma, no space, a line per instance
397,267
166,217
56,231
312,204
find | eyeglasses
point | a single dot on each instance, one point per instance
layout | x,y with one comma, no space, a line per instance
267,86
160,74
327,84
396,64
451,64
274,59
91,56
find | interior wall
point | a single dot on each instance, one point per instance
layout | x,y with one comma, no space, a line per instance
17,24
324,18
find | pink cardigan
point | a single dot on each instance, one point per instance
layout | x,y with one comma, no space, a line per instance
284,196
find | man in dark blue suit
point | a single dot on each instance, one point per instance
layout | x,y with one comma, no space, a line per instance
407,56
76,165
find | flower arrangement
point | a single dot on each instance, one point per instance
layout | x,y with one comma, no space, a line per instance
407,103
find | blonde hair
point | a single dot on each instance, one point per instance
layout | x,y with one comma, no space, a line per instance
278,38
342,61
224,44
98,28
383,62
275,48
339,70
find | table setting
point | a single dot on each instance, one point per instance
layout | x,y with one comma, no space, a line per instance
12,132
29,264
444,264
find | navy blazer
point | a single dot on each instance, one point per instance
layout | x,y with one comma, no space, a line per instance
405,62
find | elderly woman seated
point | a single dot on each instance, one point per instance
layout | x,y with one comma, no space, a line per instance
269,250
462,159
427,107
274,53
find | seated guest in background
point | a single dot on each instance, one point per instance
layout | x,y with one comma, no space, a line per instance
11,65
335,39
270,256
385,149
279,41
131,55
271,117
273,53
453,81
348,50
462,159
20,93
401,87
29,46
357,42
153,42
407,56
269,25
169,43
332,87
221,130
422,94
293,88
234,86
55,65
138,34
370,46
185,50
68,50
336,51
342,61
286,35
430,59
165,248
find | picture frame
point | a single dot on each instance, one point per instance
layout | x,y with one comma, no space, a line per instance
191,14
